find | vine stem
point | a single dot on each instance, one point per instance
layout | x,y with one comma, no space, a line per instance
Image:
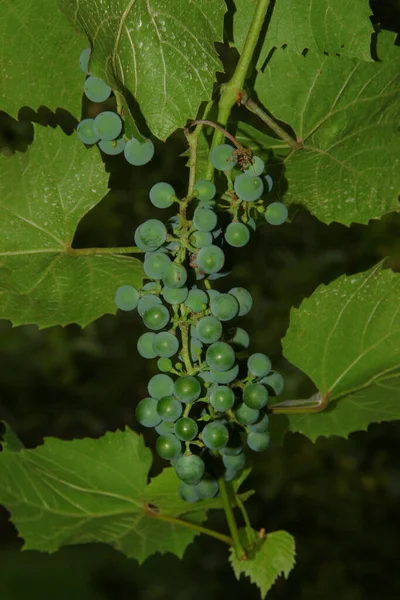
315,404
230,518
198,528
193,139
221,129
281,133
122,250
231,89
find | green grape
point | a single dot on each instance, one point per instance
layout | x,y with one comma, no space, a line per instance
199,239
237,234
112,147
239,338
156,317
222,157
164,364
145,345
84,60
259,364
86,132
275,381
204,219
225,307
207,488
175,295
276,213
108,125
165,427
190,468
197,300
168,446
155,264
233,448
256,167
234,463
246,415
166,344
188,492
258,442
138,153
209,330
220,356
187,388
96,89
186,429
215,435
270,182
248,188
260,426
222,398
161,195
126,297
169,408
255,395
244,299
225,376
213,294
210,259
206,190
147,301
174,276
150,286
160,385
146,412
196,348
150,235
206,376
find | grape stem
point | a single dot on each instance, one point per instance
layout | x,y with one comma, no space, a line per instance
216,126
193,139
230,518
198,528
277,129
315,404
251,535
230,91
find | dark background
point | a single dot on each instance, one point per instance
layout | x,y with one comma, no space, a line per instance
339,498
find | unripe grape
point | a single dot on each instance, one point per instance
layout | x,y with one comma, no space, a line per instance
248,188
160,385
190,468
174,275
237,235
260,426
156,317
127,297
145,345
169,408
161,195
256,167
259,364
258,442
146,412
210,259
215,435
255,395
222,398
207,488
166,344
220,356
186,429
168,446
276,213
209,329
222,157
225,307
246,415
187,388
244,299
275,381
206,190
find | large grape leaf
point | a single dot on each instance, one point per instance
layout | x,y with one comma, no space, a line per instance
39,63
346,113
96,490
346,337
272,557
334,26
160,51
44,193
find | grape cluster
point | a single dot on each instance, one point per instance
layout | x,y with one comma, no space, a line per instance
207,399
106,129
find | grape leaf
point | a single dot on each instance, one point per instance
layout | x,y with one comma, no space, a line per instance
333,26
44,193
346,337
161,52
9,438
272,557
40,58
346,113
95,490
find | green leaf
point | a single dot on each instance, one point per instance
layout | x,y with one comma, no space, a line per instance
40,58
44,193
346,113
333,26
9,438
95,490
271,558
160,53
346,337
